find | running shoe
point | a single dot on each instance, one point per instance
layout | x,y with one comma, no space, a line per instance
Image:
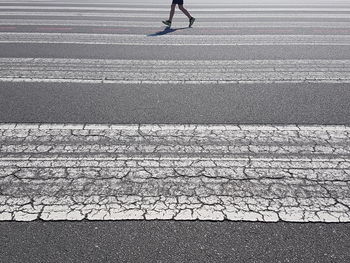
167,23
192,19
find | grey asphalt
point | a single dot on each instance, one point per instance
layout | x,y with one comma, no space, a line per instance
180,29
202,104
165,241
173,52
175,241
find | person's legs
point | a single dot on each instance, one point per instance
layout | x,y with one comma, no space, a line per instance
172,12
171,15
184,10
191,18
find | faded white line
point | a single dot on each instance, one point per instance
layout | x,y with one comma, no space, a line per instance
195,9
173,71
174,127
144,24
237,3
199,15
164,82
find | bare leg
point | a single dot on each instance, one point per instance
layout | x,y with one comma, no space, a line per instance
172,12
184,10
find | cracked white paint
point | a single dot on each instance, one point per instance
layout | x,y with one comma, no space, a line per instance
174,172
173,72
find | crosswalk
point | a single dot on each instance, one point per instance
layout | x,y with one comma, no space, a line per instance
186,72
156,171
114,172
175,40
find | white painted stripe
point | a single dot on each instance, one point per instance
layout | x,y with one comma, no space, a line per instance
199,15
173,72
143,24
172,82
172,127
83,161
173,40
175,172
195,9
142,3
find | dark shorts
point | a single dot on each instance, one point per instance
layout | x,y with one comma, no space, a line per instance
178,2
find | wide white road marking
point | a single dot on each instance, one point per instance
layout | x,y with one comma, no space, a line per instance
173,40
182,172
199,15
173,72
193,3
143,24
195,9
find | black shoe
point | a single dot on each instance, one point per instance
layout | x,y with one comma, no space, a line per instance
167,23
192,19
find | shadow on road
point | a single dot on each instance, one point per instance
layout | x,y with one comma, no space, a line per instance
166,31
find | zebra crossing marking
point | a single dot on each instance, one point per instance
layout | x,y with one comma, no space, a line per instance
173,71
262,173
173,40
144,24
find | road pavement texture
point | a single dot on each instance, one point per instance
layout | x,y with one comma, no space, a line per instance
107,116
253,173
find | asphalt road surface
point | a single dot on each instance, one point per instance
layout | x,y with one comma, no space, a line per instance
251,81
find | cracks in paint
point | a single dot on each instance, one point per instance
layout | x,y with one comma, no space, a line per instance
169,176
191,208
342,203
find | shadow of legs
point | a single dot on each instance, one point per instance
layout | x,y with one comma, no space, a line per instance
166,31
